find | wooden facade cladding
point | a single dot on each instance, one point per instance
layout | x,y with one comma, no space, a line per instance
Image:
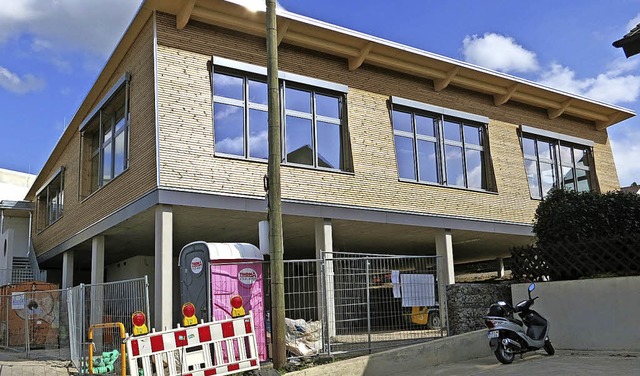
138,179
187,160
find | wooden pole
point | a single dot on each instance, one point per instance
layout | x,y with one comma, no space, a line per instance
275,208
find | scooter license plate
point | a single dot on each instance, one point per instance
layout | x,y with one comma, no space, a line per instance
493,334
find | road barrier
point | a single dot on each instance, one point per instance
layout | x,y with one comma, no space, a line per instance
214,348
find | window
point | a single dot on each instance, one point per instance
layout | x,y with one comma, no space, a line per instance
105,140
313,117
552,163
439,149
50,201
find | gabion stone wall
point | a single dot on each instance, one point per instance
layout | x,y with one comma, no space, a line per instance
467,302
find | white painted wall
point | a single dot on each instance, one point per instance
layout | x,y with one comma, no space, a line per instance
592,314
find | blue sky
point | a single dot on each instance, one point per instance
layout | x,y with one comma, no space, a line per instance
51,51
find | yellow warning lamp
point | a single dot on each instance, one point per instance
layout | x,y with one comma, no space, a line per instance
237,310
139,321
189,314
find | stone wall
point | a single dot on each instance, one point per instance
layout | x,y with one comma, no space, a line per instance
467,302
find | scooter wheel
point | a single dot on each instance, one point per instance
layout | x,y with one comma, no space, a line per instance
548,347
503,355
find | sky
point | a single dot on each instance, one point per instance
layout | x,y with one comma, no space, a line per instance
51,52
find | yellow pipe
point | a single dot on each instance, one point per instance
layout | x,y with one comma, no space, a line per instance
122,345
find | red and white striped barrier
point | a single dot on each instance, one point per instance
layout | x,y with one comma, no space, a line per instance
213,348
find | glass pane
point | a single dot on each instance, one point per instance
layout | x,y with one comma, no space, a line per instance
529,146
566,156
475,169
533,178
472,135
427,161
329,145
228,128
94,172
106,163
228,86
299,141
402,121
257,92
452,131
327,106
106,127
258,134
425,126
95,142
547,177
453,156
567,178
545,150
406,158
583,180
297,100
120,158
582,158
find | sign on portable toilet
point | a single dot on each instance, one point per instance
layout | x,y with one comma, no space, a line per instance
224,280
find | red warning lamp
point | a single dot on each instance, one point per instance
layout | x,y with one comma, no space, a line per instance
189,314
139,321
237,310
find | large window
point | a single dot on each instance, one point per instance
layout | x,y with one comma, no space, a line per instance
440,149
552,163
50,201
105,140
313,119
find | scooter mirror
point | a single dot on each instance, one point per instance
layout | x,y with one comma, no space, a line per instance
532,287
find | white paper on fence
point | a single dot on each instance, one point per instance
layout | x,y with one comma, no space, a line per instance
395,280
418,290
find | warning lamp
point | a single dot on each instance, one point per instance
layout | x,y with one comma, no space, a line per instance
189,314
139,321
237,310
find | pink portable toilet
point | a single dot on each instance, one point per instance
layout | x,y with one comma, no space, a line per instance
212,273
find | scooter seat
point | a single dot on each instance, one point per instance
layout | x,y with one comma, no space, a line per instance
515,321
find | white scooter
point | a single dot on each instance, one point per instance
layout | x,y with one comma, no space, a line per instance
509,336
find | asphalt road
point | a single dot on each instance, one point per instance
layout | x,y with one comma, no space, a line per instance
537,364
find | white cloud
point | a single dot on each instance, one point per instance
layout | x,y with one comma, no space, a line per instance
498,52
610,87
20,85
626,153
633,23
94,26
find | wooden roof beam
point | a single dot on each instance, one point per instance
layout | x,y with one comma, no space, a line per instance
441,84
185,14
603,124
356,62
282,29
500,99
556,112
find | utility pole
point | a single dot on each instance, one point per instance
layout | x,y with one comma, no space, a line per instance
275,207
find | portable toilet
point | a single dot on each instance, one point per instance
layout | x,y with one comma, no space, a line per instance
211,274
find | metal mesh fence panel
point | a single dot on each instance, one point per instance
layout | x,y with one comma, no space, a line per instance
349,302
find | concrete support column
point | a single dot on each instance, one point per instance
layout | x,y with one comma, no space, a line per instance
67,269
500,267
97,278
326,296
444,249
164,267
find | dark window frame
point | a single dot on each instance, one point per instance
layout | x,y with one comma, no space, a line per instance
345,163
441,142
50,201
557,162
104,130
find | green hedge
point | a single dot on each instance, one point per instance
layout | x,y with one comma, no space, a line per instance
577,216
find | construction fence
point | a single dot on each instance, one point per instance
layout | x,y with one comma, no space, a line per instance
44,322
353,302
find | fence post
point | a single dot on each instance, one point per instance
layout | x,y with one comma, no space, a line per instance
367,264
